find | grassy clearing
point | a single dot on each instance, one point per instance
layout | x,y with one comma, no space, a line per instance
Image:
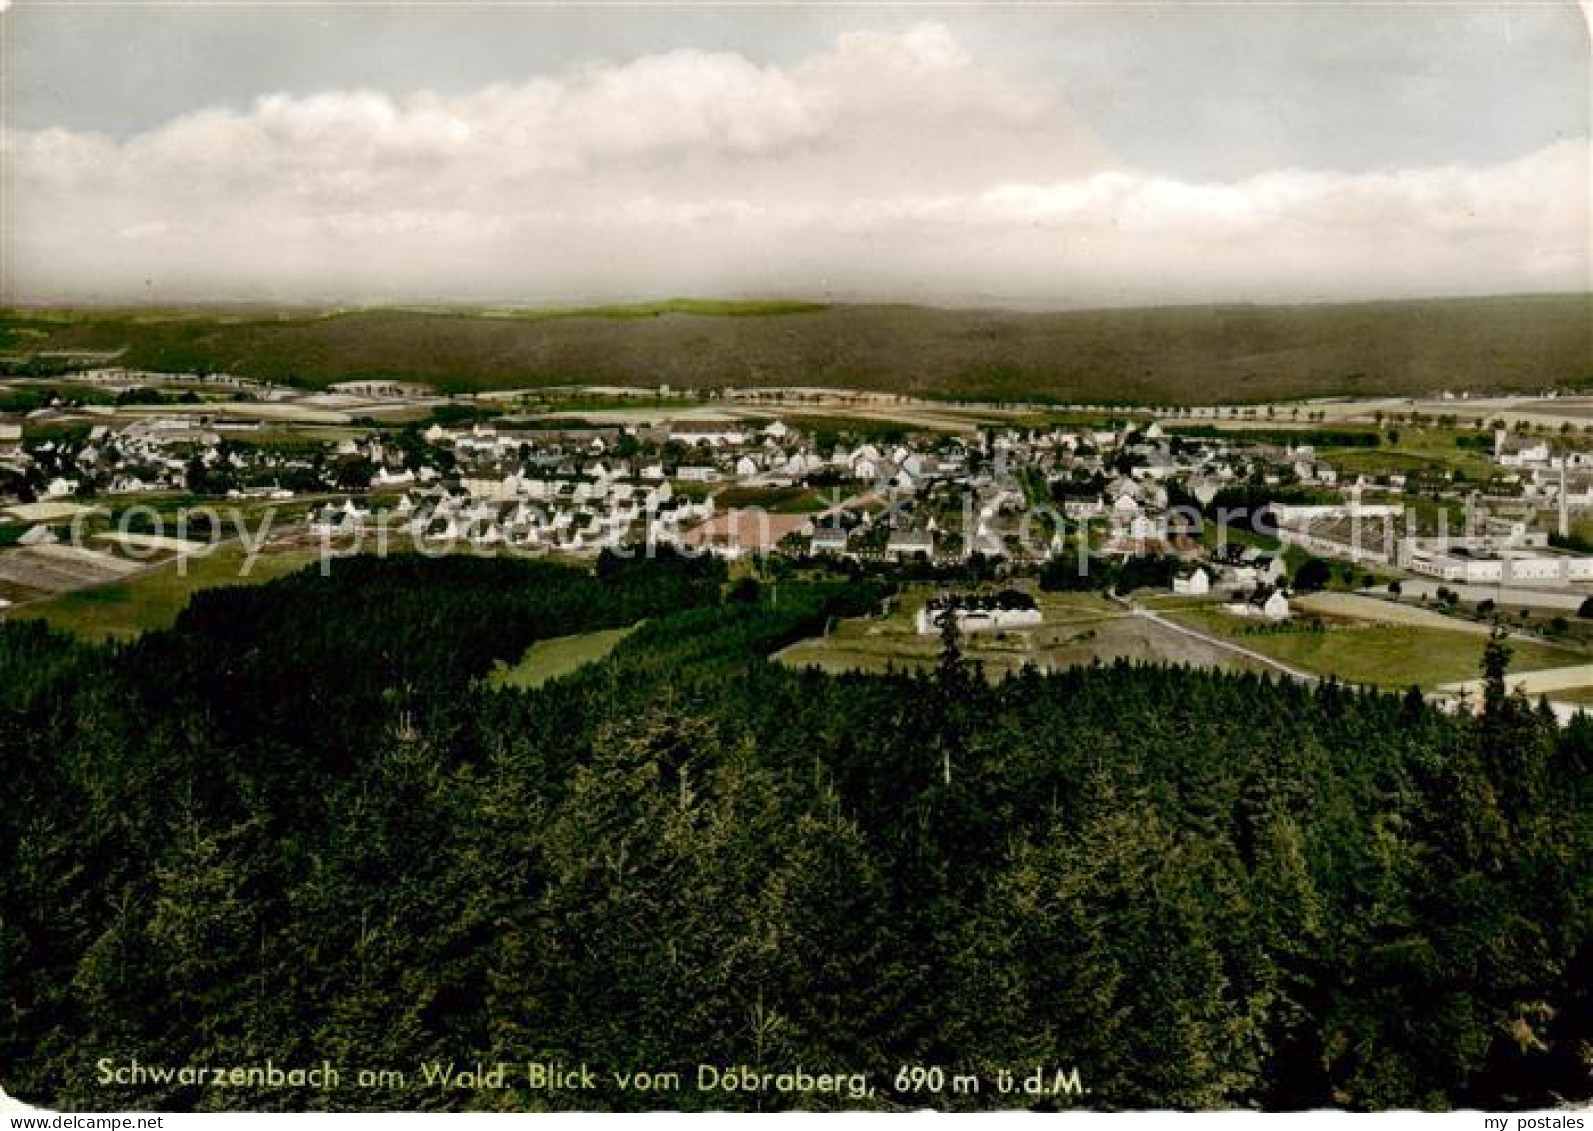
1359,607
775,500
1232,534
1418,450
152,600
1079,628
297,439
1381,655
550,659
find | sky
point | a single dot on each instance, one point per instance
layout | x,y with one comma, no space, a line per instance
1060,155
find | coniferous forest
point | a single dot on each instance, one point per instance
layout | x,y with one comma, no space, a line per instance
301,827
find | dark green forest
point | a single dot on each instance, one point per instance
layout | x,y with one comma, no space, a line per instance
1172,355
299,826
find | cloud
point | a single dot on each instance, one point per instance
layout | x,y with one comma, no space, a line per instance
892,166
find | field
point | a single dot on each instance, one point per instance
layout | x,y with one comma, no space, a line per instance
299,412
1079,628
1418,450
153,542
775,500
28,571
1547,602
886,425
46,512
1172,355
152,600
549,659
1383,655
1357,606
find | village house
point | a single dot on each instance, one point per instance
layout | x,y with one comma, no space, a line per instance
1196,583
828,540
909,543
1519,451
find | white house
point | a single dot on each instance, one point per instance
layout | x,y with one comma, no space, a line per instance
1196,584
1517,451
387,477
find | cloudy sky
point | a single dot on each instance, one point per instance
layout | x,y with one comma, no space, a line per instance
1060,155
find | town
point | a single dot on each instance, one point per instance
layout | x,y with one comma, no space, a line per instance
1259,537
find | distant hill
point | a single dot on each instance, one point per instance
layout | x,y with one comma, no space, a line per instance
1169,355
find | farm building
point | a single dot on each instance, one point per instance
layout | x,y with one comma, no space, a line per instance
1007,609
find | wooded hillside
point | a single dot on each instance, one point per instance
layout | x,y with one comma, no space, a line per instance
1170,355
300,826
